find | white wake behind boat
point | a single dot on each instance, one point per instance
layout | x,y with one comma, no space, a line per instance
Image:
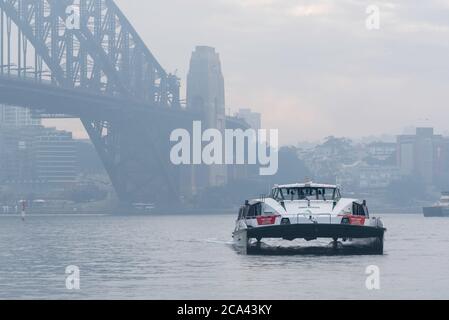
307,211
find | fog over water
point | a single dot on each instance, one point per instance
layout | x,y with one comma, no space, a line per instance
358,109
191,257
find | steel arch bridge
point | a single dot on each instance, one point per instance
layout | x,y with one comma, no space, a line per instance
83,58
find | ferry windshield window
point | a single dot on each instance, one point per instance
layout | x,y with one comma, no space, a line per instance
294,194
255,211
358,210
309,194
327,194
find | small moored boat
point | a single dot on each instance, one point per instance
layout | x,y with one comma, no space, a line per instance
307,211
440,209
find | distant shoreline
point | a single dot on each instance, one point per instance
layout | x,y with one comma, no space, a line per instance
164,213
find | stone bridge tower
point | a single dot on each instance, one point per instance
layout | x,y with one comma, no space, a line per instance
206,96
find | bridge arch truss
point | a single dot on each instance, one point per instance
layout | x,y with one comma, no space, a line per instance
105,57
102,53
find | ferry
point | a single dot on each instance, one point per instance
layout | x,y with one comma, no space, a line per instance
307,211
440,209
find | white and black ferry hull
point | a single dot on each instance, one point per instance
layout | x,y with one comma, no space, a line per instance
373,237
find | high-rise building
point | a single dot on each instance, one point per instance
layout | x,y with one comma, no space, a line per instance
17,132
421,154
16,155
34,155
55,157
17,117
253,119
206,96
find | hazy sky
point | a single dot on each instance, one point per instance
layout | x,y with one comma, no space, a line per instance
312,67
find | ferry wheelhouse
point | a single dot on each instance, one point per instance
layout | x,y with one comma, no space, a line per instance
307,211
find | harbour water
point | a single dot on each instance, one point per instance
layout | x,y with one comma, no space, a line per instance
191,257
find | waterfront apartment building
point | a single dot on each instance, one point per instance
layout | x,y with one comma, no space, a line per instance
382,151
362,176
33,156
55,157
